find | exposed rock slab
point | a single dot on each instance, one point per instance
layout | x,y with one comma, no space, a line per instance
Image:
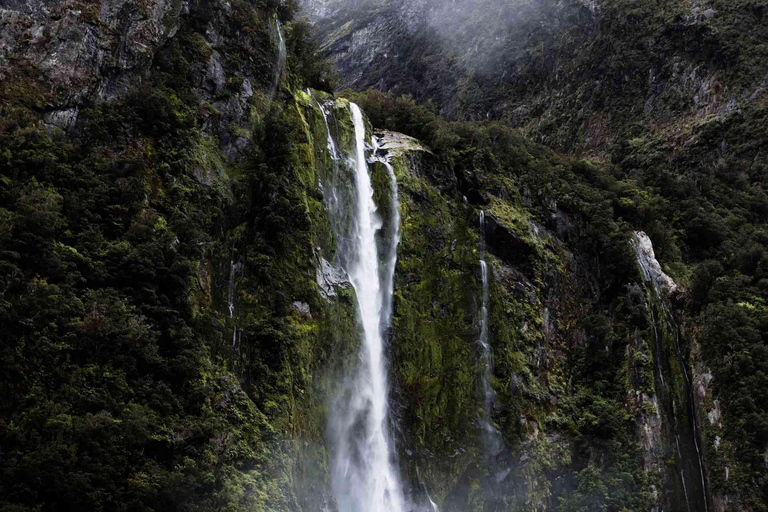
650,266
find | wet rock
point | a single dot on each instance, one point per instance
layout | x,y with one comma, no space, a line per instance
514,384
651,438
215,78
508,245
701,383
64,119
329,278
85,52
478,197
394,142
714,415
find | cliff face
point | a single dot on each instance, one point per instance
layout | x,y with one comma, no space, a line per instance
134,136
673,96
176,318
575,75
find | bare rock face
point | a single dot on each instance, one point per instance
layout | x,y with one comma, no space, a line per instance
76,54
329,278
649,264
396,142
80,51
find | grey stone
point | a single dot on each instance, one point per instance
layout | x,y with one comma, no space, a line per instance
329,278
302,308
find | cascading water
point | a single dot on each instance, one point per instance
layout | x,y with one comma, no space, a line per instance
231,289
364,477
233,270
281,56
491,435
394,230
332,198
431,505
331,145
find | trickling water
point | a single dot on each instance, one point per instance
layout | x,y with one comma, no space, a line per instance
432,505
653,274
364,477
685,490
333,196
231,289
692,412
233,269
331,145
492,437
281,55
394,230
658,348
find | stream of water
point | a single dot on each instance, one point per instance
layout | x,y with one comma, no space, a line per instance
491,435
364,476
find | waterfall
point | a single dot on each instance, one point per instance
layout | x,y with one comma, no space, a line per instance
334,202
492,437
394,230
231,289
658,349
234,268
685,490
330,144
364,477
281,55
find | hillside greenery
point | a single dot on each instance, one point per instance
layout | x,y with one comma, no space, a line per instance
703,205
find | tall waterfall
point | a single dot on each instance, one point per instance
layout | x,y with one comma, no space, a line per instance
491,435
281,56
364,477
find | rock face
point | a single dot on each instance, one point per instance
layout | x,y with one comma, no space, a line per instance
78,54
670,424
85,51
520,60
650,265
117,116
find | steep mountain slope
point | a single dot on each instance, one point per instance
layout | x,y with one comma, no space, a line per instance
178,325
575,74
134,136
672,93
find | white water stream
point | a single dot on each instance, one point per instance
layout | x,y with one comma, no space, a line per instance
234,268
659,281
281,56
491,435
364,476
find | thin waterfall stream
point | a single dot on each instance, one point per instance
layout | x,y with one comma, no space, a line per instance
281,57
491,435
234,268
657,280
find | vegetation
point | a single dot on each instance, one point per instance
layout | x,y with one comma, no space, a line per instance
119,391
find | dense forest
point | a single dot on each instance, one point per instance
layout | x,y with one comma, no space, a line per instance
569,248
